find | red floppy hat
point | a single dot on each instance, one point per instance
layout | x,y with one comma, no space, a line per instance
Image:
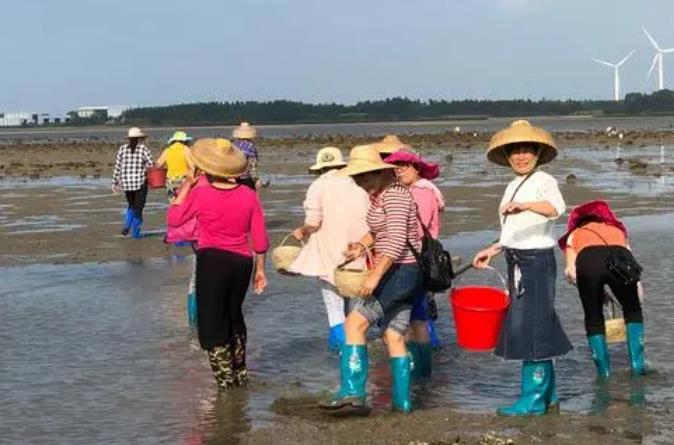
427,170
597,208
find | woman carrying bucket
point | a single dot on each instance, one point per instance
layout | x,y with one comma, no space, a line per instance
531,331
593,236
416,174
231,249
327,229
387,294
129,176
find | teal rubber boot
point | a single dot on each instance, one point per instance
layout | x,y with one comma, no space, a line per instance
414,355
400,394
635,348
192,308
425,360
536,388
552,399
353,378
600,355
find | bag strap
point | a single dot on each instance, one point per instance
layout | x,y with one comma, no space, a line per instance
512,197
595,232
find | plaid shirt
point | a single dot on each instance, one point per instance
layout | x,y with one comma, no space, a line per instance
130,167
248,149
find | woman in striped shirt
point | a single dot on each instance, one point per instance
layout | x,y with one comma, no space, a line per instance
387,294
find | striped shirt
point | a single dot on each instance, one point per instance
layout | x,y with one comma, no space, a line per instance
392,219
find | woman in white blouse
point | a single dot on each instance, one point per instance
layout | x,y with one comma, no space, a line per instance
531,331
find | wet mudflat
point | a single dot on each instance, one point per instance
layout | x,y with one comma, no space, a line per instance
97,350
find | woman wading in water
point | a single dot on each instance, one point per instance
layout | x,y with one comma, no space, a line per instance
532,201
228,215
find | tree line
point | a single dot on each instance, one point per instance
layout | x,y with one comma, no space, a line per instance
392,109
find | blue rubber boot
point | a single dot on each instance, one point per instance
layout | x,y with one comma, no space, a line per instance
192,308
400,395
128,218
414,355
336,337
425,360
600,355
136,225
536,388
635,348
433,333
353,378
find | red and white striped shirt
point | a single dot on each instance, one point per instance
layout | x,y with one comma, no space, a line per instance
392,219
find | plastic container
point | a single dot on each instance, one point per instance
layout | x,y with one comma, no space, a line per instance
156,177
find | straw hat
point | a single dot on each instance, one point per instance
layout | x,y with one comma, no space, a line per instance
179,136
218,157
390,144
427,170
244,131
363,159
135,133
328,157
521,131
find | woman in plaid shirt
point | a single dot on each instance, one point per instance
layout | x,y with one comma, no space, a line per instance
133,159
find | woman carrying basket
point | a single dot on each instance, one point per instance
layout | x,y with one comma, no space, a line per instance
387,294
531,330
231,248
592,237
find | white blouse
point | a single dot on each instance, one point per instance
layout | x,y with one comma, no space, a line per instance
530,230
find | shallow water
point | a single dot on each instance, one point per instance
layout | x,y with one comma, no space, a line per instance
100,353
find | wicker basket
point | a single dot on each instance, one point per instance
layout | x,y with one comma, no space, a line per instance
615,326
348,280
284,256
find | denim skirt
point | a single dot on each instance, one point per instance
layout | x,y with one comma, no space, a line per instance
531,329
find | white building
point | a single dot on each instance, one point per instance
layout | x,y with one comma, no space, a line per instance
111,111
18,119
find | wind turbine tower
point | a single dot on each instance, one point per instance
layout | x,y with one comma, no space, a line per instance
616,73
657,59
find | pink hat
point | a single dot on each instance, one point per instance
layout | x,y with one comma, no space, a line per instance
598,209
427,170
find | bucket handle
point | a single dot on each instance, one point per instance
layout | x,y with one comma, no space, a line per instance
285,238
469,267
367,253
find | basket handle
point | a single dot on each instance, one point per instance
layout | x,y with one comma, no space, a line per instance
285,238
470,266
367,253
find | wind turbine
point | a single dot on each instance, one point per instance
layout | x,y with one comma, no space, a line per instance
657,59
616,76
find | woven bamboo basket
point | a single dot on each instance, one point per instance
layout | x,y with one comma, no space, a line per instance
283,256
349,280
615,326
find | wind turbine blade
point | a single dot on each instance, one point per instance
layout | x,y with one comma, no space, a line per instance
650,37
628,56
604,62
655,60
668,50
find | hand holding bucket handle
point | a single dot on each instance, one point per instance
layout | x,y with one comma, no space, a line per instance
468,267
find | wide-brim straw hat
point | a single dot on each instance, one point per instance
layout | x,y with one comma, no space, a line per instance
179,136
328,157
364,159
390,144
244,131
521,132
135,133
427,170
218,157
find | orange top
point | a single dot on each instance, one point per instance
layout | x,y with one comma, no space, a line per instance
591,235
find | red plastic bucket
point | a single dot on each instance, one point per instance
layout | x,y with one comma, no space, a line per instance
156,177
478,315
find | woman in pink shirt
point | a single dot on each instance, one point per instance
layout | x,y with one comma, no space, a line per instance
227,215
415,173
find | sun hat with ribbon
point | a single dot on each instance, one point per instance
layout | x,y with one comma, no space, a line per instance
244,131
521,132
328,157
364,159
597,209
390,144
179,136
135,133
218,157
427,170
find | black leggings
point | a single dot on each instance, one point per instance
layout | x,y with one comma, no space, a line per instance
136,200
591,276
222,282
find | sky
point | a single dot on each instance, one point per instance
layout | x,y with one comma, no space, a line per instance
58,55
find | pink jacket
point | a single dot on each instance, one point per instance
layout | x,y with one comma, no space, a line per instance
430,203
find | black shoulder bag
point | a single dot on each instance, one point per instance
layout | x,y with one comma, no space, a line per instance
621,263
434,261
